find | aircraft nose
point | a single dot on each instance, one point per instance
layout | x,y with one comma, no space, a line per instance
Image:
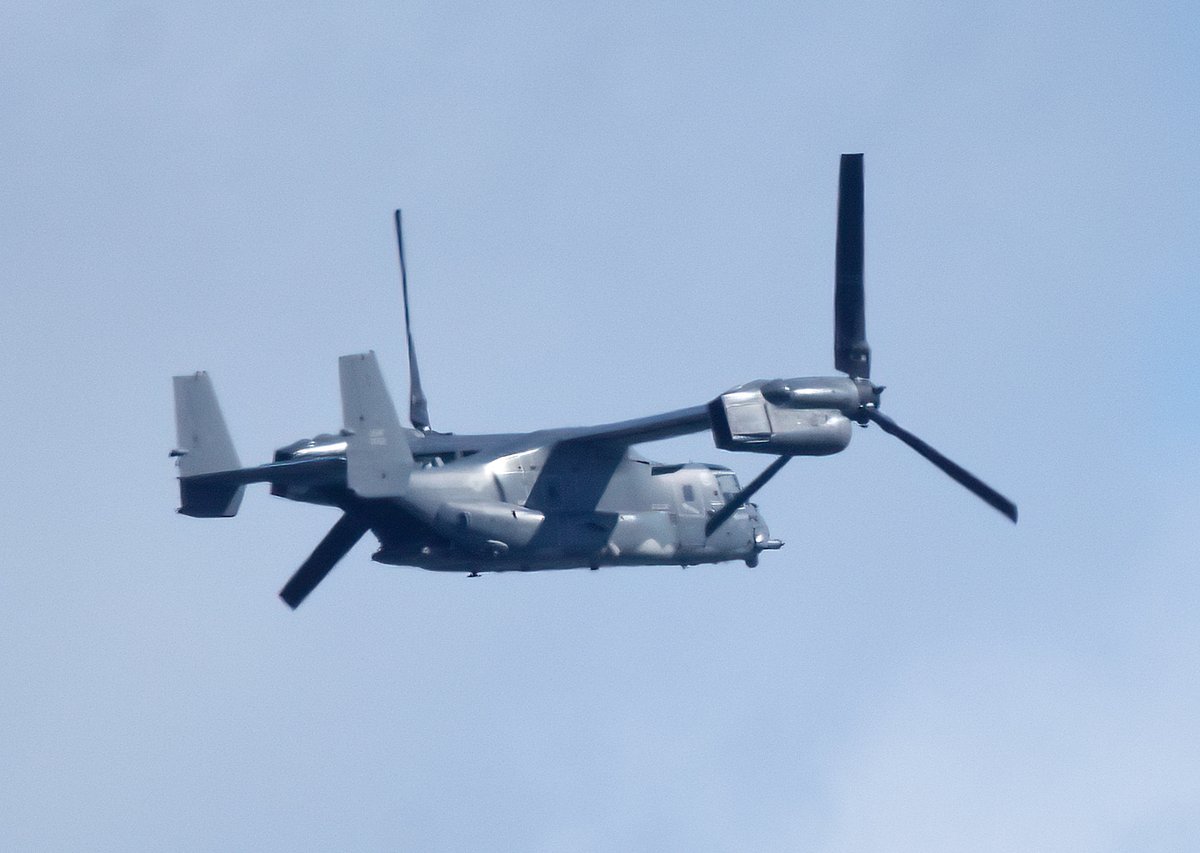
762,536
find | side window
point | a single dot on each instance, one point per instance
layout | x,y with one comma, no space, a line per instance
729,486
689,494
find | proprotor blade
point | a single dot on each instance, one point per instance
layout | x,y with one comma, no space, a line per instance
955,471
851,354
336,544
741,498
418,411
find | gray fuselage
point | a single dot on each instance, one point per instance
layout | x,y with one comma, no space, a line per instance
536,502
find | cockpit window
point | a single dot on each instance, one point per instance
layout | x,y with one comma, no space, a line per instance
728,484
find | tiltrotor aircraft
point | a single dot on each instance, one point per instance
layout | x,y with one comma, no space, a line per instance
557,498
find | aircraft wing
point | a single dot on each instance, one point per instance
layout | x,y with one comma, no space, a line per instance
638,430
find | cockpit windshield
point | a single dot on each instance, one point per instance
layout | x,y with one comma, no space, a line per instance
728,483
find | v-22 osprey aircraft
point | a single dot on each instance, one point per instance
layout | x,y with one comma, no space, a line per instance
576,497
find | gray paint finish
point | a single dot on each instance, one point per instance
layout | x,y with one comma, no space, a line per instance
560,498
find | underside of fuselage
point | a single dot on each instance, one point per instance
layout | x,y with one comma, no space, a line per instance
569,541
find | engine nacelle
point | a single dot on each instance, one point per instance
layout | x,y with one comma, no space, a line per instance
793,417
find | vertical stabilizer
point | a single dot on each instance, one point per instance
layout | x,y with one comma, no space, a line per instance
378,459
204,448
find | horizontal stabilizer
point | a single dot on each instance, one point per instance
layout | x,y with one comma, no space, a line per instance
378,458
209,500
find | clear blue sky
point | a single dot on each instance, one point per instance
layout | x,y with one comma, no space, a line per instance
610,211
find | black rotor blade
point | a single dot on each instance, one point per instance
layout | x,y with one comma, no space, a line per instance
955,471
337,542
851,354
740,499
418,411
